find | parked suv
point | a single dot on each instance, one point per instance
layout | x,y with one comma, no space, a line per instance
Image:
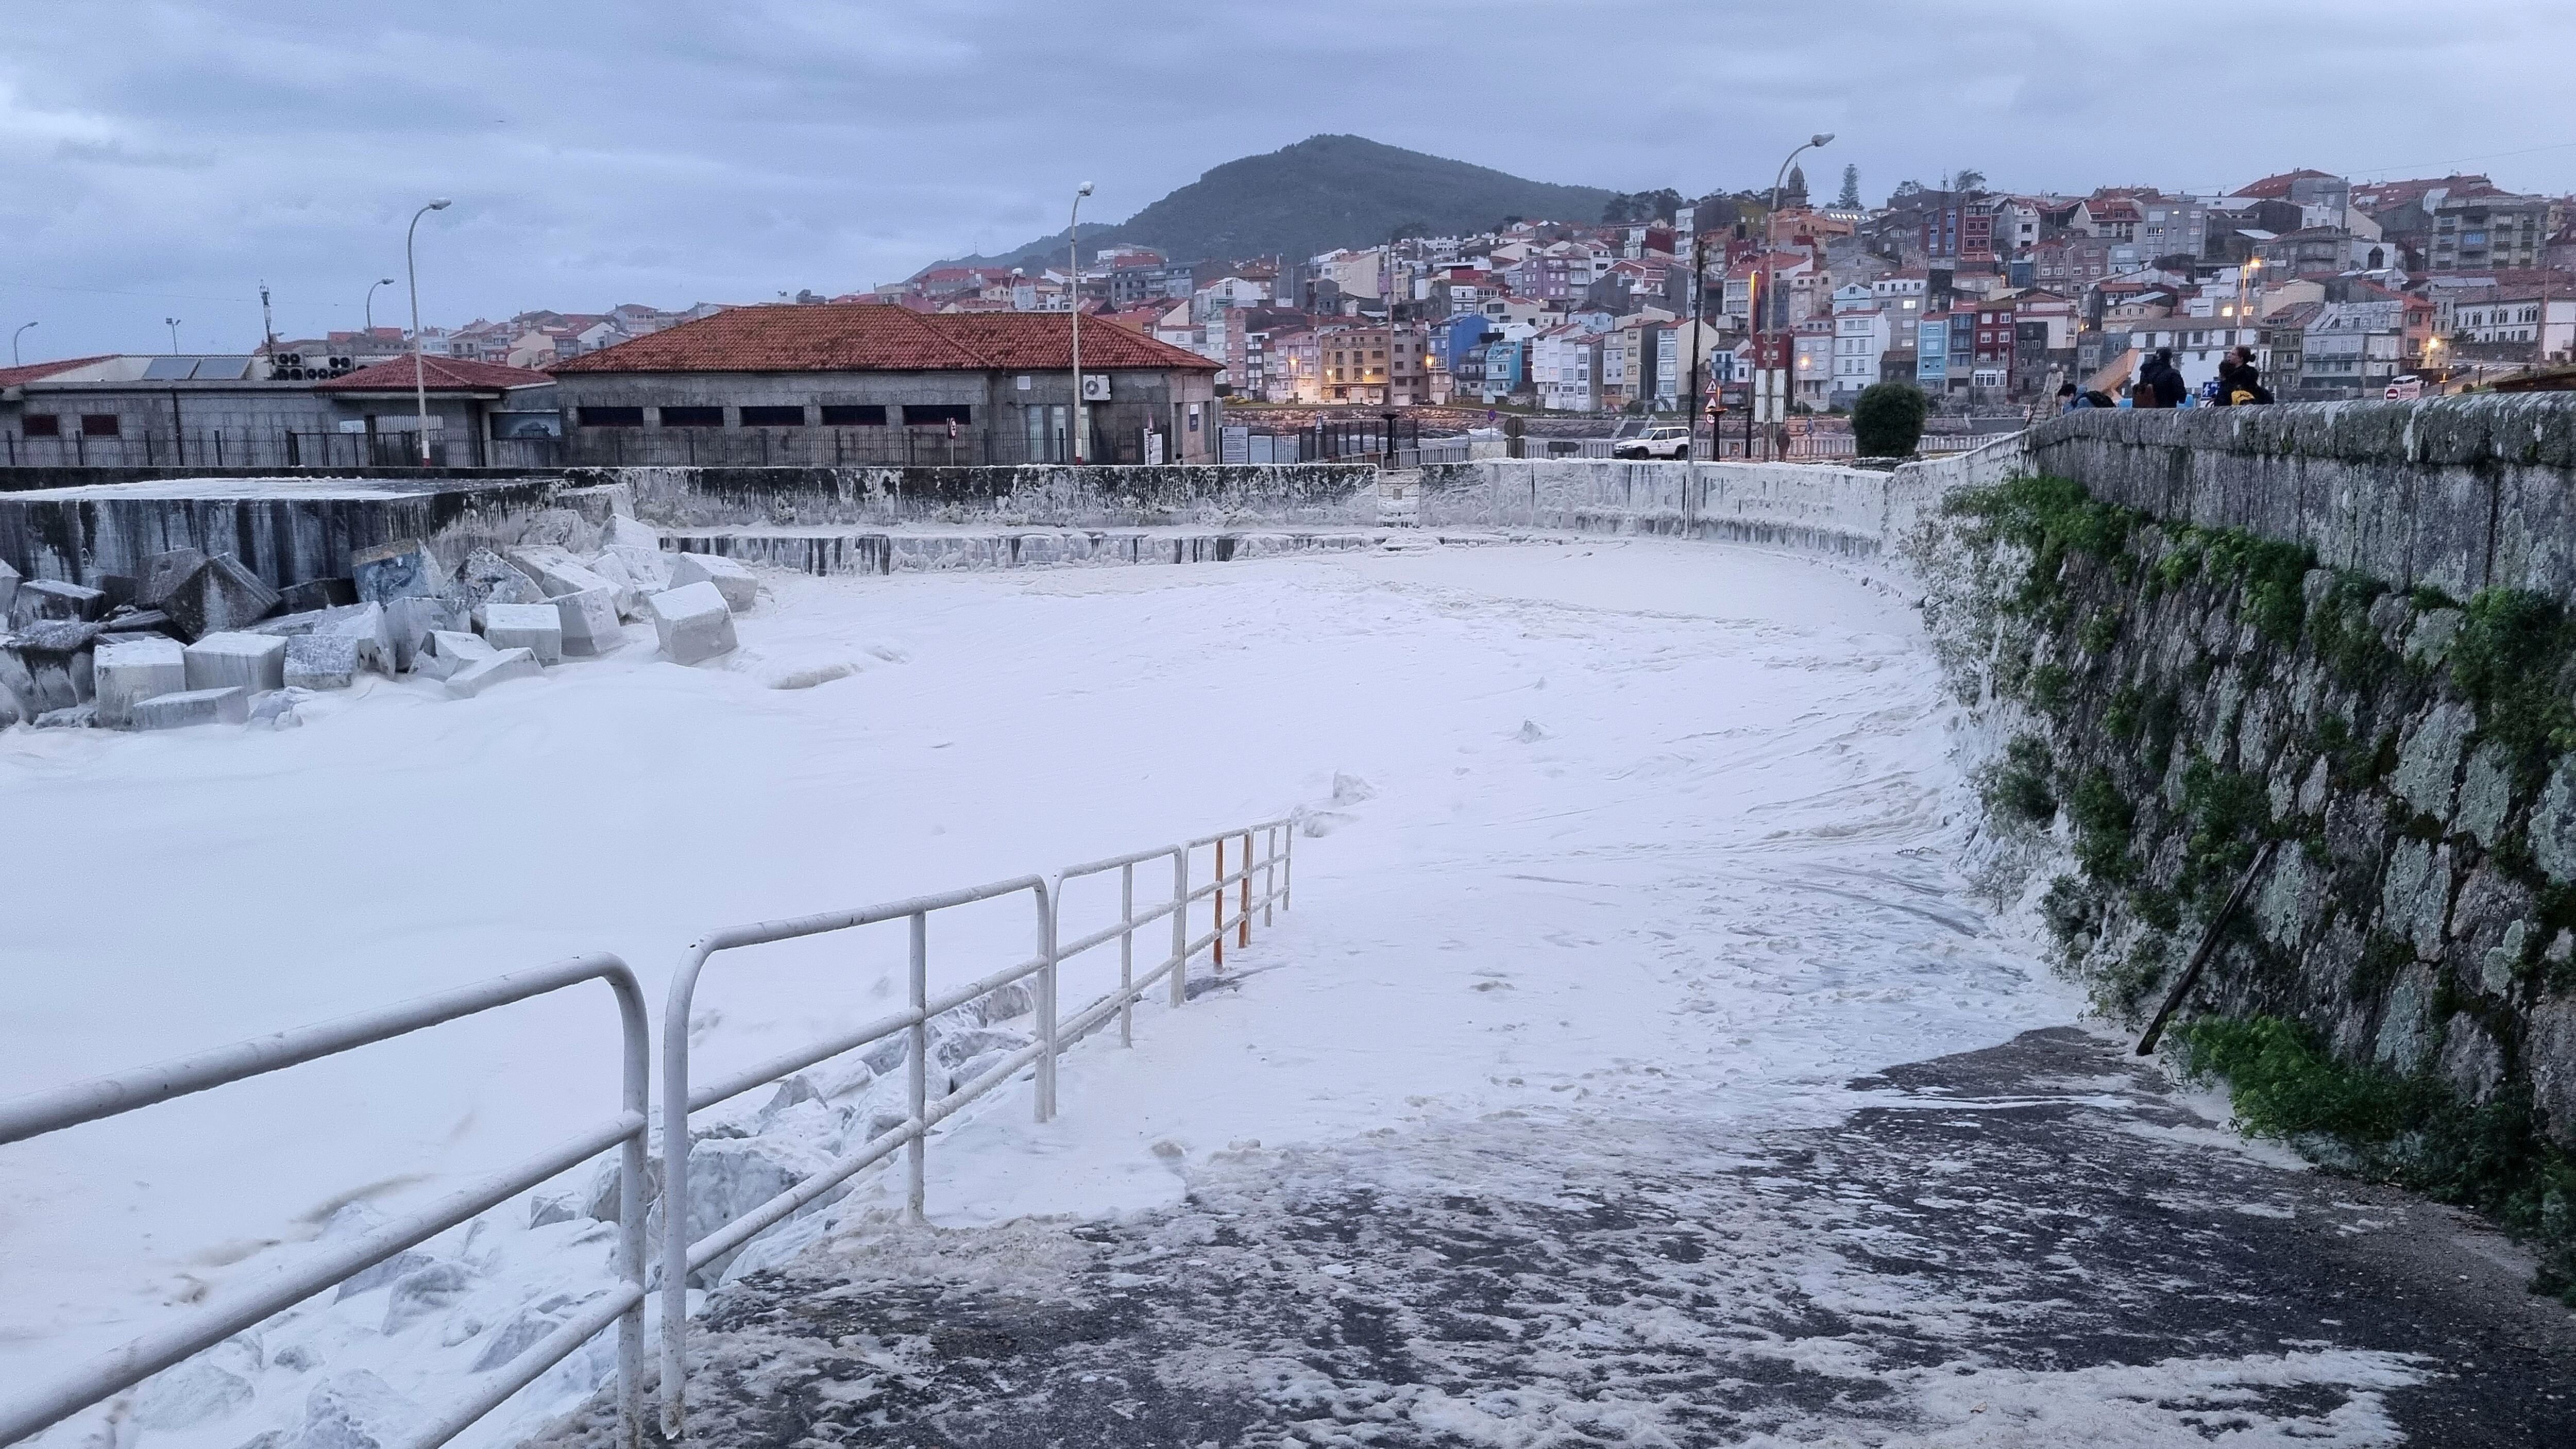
1654,443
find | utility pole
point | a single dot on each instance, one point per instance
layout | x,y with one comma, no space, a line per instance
1073,228
267,328
1699,285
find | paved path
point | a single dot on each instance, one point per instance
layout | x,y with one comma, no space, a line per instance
2034,1244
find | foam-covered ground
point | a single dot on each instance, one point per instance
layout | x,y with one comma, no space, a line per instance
1661,825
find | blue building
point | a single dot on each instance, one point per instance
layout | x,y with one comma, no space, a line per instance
1932,354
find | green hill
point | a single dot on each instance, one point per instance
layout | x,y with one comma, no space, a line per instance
1321,193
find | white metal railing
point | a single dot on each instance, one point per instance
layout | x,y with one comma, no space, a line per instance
680,1257
33,1408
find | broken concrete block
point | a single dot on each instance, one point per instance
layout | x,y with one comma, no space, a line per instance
219,596
537,628
162,573
501,668
78,717
412,618
625,532
193,707
590,626
48,666
630,593
43,601
693,622
598,503
251,662
402,569
740,589
276,707
324,661
486,579
125,671
139,621
446,651
313,594
9,580
557,571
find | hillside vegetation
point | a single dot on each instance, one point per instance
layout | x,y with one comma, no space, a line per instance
1321,193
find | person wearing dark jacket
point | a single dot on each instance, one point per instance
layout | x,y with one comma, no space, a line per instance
2160,383
2239,381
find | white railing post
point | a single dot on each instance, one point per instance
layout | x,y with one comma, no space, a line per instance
1288,866
1046,1008
1180,927
916,1190
1216,903
1269,872
1127,954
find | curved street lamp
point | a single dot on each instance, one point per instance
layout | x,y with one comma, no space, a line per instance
370,303
1762,303
13,342
419,370
1073,296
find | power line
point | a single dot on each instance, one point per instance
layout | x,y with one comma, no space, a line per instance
113,292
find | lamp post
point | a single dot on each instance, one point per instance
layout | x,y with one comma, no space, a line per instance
1073,295
370,303
173,324
1769,219
419,369
13,342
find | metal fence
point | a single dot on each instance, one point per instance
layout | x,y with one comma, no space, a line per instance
31,1409
680,1257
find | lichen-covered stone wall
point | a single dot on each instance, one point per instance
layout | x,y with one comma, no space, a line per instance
2164,697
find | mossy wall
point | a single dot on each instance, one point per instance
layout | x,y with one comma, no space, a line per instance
2167,696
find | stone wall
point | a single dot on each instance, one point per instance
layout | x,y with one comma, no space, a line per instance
2459,494
2163,697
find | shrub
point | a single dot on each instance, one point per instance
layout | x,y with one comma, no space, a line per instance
1887,422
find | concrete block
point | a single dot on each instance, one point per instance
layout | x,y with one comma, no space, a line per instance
739,587
411,618
9,580
121,591
315,594
693,622
501,668
599,503
630,593
446,651
403,569
41,601
140,621
590,625
162,573
251,662
193,707
219,596
487,579
126,671
625,532
324,661
650,568
48,666
78,717
537,628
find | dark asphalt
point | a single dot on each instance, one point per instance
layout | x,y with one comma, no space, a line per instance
2031,1244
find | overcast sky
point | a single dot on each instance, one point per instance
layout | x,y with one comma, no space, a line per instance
162,160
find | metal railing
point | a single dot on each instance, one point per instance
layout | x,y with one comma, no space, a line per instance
33,1409
680,1257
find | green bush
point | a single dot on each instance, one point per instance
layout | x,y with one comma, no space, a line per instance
1887,422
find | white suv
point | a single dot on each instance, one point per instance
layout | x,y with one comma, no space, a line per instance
1654,443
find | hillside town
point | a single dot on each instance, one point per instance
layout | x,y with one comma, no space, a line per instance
1993,302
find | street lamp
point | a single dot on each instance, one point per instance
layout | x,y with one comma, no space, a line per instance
370,303
13,342
419,369
1073,284
173,324
1762,301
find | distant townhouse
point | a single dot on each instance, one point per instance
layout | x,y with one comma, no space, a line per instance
2483,228
2542,319
1811,374
1565,361
1861,336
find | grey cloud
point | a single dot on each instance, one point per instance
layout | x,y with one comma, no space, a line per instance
671,152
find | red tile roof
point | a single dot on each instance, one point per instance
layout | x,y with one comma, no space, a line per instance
2274,188
440,374
12,376
865,337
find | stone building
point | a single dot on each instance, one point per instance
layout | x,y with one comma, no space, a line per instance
845,383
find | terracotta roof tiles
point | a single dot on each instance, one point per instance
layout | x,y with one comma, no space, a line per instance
439,374
872,337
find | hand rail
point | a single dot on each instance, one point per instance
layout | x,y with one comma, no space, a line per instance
158,1349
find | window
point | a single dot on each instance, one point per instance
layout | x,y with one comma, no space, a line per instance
860,415
693,417
612,417
98,425
919,414
788,416
41,425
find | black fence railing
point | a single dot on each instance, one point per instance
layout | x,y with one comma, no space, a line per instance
274,448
